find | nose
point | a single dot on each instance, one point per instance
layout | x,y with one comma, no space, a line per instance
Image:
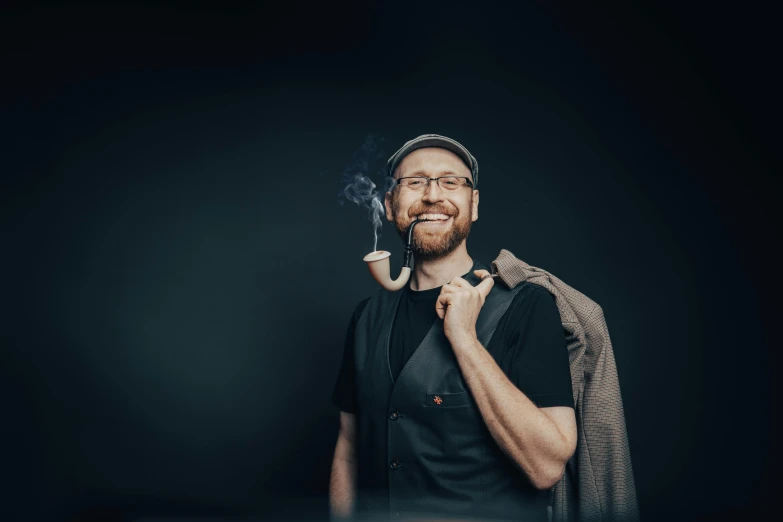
432,193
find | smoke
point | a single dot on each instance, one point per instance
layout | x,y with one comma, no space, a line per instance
359,188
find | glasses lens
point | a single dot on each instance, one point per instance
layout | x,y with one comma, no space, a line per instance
451,183
415,183
420,183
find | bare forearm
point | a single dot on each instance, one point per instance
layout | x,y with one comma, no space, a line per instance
520,428
342,486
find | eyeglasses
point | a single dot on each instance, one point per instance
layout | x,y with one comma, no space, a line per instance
420,183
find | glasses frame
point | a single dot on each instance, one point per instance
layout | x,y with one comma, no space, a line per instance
468,183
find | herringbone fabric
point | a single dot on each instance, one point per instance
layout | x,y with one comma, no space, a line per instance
598,483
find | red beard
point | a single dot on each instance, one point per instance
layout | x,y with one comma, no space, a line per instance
434,242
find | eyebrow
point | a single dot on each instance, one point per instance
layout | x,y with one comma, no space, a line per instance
442,173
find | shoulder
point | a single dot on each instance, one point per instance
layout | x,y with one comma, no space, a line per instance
357,312
531,295
532,304
379,300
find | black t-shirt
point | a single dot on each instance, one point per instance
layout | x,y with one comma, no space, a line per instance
529,344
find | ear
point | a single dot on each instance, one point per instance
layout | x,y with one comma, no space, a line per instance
474,210
388,204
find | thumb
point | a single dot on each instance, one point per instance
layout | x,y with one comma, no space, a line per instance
486,285
482,273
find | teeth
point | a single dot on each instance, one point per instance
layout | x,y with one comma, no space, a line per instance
434,217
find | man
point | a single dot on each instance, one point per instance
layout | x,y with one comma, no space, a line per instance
455,394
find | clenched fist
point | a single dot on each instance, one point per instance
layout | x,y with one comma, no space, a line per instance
459,304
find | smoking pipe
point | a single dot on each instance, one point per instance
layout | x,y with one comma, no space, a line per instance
378,263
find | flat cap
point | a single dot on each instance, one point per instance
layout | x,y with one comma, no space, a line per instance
434,140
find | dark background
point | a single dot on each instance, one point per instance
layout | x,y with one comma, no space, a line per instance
179,273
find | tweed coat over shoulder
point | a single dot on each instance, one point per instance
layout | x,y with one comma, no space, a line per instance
598,482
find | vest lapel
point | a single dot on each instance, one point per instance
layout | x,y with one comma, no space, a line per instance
495,305
387,334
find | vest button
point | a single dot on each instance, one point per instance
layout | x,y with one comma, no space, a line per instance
394,464
394,415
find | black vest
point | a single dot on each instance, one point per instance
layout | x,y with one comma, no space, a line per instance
422,445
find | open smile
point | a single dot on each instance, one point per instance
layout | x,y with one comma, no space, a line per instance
434,220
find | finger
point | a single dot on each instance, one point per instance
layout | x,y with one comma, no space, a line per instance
460,282
441,304
485,286
448,289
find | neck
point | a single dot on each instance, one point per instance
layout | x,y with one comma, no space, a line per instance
432,273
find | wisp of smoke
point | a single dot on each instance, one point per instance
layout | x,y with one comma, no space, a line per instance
359,188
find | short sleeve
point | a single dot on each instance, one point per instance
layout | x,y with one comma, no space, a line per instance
343,394
536,352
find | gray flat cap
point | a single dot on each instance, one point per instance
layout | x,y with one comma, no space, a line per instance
435,140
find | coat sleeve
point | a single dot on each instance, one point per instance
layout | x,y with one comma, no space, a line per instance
607,487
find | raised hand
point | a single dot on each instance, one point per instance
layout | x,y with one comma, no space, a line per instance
459,304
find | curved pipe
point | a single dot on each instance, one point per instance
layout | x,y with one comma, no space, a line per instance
378,263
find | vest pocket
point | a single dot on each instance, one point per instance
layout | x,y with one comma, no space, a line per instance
453,424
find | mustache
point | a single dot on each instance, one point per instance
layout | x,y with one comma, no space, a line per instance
431,210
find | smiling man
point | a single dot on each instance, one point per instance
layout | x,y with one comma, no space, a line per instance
455,394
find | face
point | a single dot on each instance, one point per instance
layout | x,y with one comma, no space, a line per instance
433,239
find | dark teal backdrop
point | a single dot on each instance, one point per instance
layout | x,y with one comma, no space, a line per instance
179,273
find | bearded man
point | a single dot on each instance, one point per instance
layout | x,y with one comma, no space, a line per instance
454,393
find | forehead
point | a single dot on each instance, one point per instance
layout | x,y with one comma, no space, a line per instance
432,162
